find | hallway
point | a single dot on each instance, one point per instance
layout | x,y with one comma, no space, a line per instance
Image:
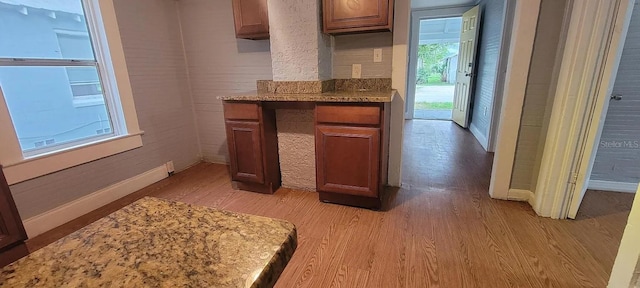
440,154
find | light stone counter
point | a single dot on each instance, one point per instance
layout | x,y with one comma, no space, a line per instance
159,243
341,96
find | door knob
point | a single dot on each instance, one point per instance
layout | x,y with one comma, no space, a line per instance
616,97
469,74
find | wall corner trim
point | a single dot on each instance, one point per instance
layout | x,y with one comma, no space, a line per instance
522,195
62,214
613,186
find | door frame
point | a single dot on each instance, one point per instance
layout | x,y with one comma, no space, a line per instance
416,16
576,122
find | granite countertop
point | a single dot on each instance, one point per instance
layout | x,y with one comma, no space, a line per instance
341,96
159,243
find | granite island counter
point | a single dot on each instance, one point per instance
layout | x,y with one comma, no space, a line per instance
159,243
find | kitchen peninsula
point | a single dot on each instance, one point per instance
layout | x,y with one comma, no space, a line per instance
160,243
351,139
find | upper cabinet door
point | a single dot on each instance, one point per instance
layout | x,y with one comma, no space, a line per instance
251,19
348,16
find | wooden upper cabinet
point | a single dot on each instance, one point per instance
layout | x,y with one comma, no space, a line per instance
349,16
251,19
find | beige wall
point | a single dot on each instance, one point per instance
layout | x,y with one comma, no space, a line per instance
358,49
218,64
158,74
537,103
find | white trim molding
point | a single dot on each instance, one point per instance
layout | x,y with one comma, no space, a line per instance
60,215
625,187
521,195
592,47
520,51
399,69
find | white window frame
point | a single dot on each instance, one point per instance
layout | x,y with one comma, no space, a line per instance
105,36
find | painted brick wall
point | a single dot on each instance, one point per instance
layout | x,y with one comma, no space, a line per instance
488,57
300,51
619,148
158,74
296,146
218,64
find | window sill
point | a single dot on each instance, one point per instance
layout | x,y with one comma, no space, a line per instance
41,165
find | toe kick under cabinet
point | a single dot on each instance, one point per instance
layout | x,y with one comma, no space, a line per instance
351,149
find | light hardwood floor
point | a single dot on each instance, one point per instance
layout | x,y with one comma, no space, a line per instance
440,229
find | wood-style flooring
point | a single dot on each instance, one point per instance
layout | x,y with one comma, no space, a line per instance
440,229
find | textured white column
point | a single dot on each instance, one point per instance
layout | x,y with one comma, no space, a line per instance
299,50
296,147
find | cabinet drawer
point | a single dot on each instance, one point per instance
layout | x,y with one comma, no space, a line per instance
241,111
364,115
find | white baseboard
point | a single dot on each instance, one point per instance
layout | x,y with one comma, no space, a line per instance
521,195
479,136
613,186
60,215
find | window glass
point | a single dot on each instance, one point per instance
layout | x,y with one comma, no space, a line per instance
43,108
51,103
28,29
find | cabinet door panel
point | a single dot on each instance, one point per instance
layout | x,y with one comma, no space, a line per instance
342,16
251,19
245,150
11,230
348,160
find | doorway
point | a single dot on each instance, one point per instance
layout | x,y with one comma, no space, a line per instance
437,61
613,169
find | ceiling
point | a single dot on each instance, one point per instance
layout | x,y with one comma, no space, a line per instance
441,30
425,4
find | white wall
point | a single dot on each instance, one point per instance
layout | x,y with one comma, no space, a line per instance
358,49
218,64
537,104
158,74
488,57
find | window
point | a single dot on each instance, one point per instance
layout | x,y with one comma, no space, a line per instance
63,83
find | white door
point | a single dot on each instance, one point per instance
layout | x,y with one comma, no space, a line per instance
466,66
622,122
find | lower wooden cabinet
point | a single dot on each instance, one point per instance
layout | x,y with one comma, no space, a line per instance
348,160
253,146
351,149
12,234
245,151
351,153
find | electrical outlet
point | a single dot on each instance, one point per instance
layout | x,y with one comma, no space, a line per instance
485,110
356,71
170,168
377,55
